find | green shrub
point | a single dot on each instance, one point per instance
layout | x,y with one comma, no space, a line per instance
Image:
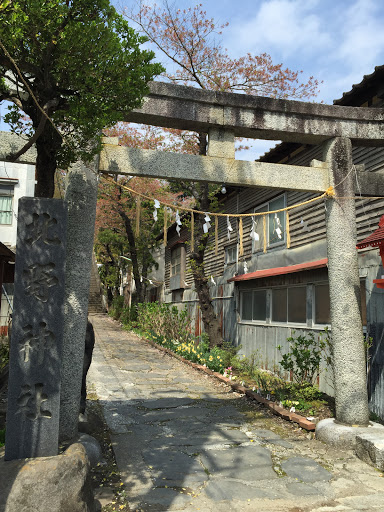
247,365
117,307
304,357
164,320
2,437
4,352
128,316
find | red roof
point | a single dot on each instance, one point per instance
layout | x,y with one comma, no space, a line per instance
374,240
278,271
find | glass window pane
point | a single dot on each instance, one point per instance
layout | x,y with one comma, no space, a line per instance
322,315
246,306
258,245
279,304
297,304
5,209
231,254
260,305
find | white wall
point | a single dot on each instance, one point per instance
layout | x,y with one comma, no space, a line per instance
25,186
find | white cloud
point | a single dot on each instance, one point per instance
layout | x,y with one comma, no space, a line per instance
282,27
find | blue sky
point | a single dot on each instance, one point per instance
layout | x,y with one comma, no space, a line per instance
337,41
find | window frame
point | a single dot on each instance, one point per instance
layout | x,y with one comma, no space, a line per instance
314,323
260,209
178,263
309,310
229,248
10,195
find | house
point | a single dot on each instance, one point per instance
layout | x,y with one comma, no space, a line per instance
263,296
16,180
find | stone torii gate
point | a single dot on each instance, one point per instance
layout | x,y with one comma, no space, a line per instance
226,115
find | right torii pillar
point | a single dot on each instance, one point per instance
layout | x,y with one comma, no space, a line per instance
344,288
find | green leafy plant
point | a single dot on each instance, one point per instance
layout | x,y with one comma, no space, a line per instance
2,437
117,307
304,357
165,320
4,352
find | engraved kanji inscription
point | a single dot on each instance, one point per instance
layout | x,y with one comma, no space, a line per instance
42,228
31,402
36,343
39,279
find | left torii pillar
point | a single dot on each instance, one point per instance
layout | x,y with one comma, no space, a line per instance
81,196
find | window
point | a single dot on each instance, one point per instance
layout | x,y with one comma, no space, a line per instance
177,295
231,254
288,305
322,307
6,202
176,261
275,224
177,267
254,305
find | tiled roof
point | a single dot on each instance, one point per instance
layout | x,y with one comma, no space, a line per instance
375,239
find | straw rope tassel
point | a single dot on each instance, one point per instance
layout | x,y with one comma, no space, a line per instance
192,232
287,230
165,225
241,246
216,235
138,211
265,233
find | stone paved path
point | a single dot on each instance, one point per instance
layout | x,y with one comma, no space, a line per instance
184,442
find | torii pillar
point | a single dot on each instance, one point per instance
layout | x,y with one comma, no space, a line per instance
344,288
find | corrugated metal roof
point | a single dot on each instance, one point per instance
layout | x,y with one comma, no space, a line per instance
278,271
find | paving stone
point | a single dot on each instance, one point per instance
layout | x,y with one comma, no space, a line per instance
280,442
265,434
162,499
302,489
249,463
306,470
201,441
182,412
225,489
227,411
174,468
167,403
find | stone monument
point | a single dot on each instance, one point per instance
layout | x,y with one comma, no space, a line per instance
36,345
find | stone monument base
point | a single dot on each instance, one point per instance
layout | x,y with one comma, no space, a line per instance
367,442
58,484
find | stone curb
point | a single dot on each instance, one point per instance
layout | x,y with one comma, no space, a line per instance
274,408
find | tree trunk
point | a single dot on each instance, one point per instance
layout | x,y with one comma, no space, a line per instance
46,163
140,286
211,324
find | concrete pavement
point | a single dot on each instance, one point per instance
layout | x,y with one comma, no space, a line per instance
184,442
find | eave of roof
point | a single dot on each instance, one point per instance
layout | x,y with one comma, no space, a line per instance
6,253
373,240
279,271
